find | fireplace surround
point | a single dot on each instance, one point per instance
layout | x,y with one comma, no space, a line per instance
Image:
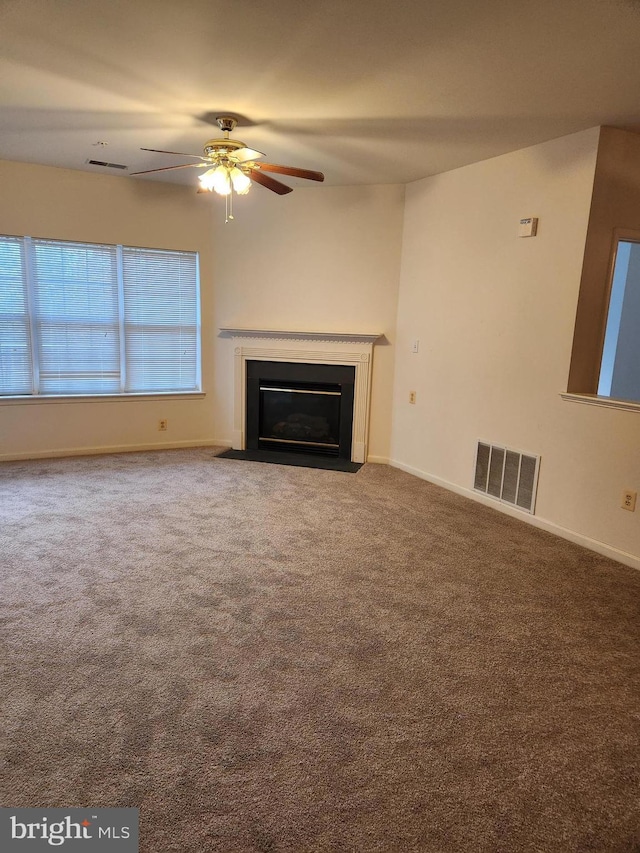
353,350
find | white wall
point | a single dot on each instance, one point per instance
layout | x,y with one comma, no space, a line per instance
40,201
319,259
495,314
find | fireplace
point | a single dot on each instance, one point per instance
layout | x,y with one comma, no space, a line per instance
300,408
353,350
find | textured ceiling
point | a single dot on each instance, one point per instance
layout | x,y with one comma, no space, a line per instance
368,92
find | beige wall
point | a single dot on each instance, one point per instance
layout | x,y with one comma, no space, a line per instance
319,259
69,205
495,314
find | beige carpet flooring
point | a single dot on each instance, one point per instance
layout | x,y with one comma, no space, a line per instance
266,658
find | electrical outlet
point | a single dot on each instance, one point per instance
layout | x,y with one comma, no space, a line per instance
163,424
629,500
412,396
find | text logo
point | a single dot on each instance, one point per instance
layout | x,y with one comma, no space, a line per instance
86,830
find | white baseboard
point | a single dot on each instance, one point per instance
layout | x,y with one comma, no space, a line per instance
104,449
220,442
379,460
542,523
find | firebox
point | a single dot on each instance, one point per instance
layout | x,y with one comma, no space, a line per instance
300,408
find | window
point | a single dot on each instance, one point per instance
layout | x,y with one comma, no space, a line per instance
79,318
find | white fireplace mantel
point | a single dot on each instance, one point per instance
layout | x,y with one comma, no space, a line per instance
274,334
348,348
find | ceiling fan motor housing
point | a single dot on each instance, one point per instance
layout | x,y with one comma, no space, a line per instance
222,146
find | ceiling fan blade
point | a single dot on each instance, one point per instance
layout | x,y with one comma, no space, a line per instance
179,153
291,170
168,168
268,182
244,154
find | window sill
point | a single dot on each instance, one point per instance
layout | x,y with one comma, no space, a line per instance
100,398
606,402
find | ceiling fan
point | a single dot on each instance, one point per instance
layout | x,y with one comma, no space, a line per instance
232,167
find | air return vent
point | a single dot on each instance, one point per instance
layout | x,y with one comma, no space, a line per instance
507,475
108,165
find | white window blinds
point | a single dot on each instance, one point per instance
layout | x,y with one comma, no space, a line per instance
76,318
79,318
161,319
16,368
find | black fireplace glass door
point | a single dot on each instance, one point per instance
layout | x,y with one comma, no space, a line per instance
304,416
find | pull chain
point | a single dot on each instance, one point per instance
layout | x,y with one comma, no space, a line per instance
228,201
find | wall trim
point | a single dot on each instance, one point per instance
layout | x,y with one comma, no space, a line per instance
606,402
577,538
59,399
115,448
378,460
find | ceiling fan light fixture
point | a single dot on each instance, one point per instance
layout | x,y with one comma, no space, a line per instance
206,180
220,180
232,168
241,182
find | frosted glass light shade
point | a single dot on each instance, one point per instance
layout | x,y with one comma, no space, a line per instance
220,180
241,182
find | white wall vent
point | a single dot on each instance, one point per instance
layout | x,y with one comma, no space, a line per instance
507,475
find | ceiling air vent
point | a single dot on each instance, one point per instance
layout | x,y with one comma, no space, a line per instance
108,165
507,475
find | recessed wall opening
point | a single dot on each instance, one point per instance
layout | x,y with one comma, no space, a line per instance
619,375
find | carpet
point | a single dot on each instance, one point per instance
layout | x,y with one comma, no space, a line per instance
270,658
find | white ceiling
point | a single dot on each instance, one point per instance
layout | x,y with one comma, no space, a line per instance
367,92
